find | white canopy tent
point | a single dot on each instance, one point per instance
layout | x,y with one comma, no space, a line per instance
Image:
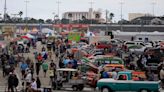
30,36
47,30
89,34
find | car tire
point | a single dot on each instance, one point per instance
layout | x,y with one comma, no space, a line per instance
75,88
144,90
80,87
106,89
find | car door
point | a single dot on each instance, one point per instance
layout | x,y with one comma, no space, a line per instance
122,84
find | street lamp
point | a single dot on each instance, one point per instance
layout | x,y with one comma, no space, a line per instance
153,7
26,9
5,10
58,3
26,14
121,15
91,3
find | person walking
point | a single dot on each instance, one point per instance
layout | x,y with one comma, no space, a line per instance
162,76
16,82
40,59
34,84
23,67
45,68
37,68
11,82
28,78
38,82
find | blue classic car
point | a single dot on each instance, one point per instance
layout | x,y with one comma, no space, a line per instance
125,83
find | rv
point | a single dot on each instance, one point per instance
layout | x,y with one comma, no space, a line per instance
139,36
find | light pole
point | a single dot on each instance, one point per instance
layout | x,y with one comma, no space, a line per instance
26,14
153,7
58,4
26,8
91,3
121,15
5,10
107,12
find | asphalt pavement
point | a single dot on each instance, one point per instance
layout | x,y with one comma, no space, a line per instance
45,81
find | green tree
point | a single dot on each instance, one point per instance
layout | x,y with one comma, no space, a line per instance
49,21
41,21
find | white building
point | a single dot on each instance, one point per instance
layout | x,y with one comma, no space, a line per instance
91,14
136,15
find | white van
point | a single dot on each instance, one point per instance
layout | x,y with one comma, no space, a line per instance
132,43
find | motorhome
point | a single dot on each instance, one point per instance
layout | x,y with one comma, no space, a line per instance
139,36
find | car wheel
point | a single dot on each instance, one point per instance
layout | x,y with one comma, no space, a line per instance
106,90
81,87
75,88
144,90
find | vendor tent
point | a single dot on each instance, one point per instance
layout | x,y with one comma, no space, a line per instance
89,34
47,31
26,37
30,36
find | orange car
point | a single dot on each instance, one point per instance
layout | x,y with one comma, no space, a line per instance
119,67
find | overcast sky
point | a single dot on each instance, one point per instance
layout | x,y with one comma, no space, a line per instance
45,8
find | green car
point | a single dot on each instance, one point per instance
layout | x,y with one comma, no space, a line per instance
125,83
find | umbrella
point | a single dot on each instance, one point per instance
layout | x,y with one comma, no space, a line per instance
25,37
30,36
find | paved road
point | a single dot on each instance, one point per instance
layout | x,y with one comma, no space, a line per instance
44,81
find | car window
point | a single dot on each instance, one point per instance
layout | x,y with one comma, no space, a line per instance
122,77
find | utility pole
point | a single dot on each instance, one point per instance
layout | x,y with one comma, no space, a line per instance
91,3
58,4
107,12
153,7
121,15
26,14
26,8
5,10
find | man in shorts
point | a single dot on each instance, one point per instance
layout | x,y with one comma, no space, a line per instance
23,67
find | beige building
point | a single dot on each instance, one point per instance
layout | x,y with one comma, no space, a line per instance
91,14
136,15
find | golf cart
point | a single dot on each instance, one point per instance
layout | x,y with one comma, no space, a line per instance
66,79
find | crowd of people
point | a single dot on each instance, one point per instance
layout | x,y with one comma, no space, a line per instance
30,67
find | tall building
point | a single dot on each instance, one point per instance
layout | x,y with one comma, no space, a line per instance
136,15
91,14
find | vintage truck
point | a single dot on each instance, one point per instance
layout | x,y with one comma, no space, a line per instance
125,83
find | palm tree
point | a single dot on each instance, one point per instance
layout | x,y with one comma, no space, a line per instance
20,13
111,15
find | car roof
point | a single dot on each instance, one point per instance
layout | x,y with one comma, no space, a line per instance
67,69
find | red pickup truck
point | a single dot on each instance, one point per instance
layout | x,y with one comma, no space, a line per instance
103,45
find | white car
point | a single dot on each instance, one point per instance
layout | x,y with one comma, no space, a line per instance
137,49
